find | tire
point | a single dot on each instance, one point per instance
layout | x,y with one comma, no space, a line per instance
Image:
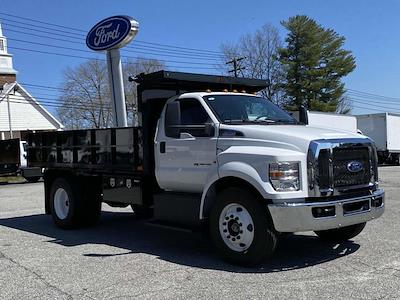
247,238
71,206
32,179
341,234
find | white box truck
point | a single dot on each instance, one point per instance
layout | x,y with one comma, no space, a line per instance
334,121
207,155
340,122
384,130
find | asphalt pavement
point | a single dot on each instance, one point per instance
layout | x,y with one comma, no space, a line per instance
126,258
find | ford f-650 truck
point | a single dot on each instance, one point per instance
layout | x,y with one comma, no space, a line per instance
210,152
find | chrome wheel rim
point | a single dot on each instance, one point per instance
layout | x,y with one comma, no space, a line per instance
61,203
236,227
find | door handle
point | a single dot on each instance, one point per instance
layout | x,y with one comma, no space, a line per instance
162,147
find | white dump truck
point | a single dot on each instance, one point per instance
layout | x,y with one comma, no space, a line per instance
209,152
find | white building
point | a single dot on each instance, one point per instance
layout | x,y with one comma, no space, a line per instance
19,111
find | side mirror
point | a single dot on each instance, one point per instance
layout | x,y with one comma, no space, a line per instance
303,115
173,119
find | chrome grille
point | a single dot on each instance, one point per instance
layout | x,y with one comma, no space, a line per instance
341,158
328,166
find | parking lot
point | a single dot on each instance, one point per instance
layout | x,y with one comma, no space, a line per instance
126,258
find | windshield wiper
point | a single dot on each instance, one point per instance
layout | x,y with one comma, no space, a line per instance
265,121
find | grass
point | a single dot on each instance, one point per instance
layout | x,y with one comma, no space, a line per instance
11,179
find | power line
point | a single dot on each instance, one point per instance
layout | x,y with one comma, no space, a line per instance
370,95
370,104
61,105
375,95
42,31
377,110
80,30
373,100
131,48
88,58
42,22
42,86
91,52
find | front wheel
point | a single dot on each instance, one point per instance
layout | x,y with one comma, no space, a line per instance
341,234
241,228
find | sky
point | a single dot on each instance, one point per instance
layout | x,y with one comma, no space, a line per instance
371,29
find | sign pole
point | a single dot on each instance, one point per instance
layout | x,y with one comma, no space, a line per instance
114,67
109,35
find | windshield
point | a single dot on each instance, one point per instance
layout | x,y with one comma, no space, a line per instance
243,109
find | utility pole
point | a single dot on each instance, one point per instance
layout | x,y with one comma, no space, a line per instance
236,66
9,116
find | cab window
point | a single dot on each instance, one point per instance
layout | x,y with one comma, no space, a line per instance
192,112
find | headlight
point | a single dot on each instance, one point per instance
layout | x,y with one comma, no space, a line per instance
284,176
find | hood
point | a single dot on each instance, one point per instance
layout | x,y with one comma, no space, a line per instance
293,137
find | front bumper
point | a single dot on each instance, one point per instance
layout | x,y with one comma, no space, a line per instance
294,217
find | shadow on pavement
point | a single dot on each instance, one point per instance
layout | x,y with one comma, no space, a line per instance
191,249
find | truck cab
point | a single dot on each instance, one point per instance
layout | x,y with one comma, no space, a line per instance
210,152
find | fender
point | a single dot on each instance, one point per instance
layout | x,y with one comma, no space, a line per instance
250,164
235,169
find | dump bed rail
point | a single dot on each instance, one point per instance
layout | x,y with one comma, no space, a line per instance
102,150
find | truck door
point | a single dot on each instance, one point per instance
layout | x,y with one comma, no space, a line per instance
184,163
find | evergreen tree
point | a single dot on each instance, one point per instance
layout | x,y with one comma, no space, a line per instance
315,63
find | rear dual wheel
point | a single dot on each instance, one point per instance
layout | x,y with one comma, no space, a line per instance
73,206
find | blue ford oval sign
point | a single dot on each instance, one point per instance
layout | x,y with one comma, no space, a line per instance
355,166
112,33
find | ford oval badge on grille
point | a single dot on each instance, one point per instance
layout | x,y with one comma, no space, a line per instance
354,166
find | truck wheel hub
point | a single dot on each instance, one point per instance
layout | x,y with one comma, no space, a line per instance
236,227
233,228
61,203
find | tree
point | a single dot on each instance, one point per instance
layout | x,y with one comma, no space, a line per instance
314,63
86,98
261,59
133,68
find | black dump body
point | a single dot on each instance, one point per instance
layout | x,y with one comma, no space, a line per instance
113,150
9,156
126,150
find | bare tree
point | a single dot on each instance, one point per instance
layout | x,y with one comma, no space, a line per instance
344,106
86,97
261,59
133,68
